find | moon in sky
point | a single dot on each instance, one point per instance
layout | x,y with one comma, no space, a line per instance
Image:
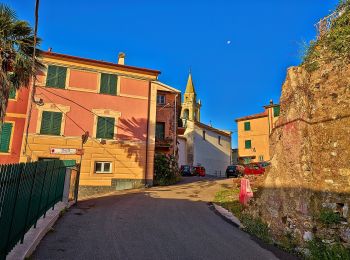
228,42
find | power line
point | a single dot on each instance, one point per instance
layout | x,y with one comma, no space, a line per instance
74,102
66,114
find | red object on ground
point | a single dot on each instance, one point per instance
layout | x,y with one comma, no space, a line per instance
245,192
199,170
251,169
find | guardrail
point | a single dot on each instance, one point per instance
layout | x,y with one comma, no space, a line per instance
27,192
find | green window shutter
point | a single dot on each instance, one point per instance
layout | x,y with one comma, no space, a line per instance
12,94
100,127
104,83
61,77
246,126
51,123
160,129
105,127
5,137
276,111
110,127
50,77
108,84
56,76
56,123
248,144
45,123
113,84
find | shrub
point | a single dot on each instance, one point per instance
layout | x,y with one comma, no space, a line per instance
334,44
328,217
166,171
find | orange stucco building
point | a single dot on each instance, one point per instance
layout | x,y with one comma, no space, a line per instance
253,134
114,103
13,128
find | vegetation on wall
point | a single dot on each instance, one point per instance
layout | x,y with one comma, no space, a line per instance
166,170
333,44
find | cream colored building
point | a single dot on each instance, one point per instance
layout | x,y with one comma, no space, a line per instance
201,144
253,134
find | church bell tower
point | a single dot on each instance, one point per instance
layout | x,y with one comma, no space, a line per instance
190,107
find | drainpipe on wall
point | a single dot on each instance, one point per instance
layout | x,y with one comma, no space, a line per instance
147,135
175,126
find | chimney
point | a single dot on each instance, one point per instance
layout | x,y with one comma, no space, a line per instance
121,58
271,102
50,49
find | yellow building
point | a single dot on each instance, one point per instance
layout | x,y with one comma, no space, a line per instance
253,134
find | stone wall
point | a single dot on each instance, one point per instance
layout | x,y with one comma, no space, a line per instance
310,151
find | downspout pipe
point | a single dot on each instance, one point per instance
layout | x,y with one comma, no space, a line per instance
147,130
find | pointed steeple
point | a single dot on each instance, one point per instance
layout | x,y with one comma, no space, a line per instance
189,86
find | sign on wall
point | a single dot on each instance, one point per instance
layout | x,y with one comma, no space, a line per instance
66,151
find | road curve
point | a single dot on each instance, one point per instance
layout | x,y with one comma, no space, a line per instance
172,222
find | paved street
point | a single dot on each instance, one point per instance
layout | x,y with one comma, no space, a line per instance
161,223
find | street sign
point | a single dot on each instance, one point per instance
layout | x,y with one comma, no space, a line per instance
64,151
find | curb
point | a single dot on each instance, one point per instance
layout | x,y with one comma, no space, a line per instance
35,235
226,215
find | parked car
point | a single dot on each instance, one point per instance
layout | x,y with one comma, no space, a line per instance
253,168
232,170
187,170
199,170
264,164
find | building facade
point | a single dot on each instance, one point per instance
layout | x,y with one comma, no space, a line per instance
201,144
168,115
114,104
254,132
14,125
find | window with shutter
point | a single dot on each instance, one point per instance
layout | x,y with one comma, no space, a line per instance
56,76
160,130
108,84
12,94
276,111
105,127
5,137
248,144
246,126
51,123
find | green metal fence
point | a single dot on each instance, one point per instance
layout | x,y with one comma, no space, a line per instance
27,191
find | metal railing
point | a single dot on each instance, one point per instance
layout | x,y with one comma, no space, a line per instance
27,192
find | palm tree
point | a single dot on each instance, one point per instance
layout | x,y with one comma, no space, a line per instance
16,56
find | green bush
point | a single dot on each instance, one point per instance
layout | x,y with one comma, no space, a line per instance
322,251
334,44
328,217
166,170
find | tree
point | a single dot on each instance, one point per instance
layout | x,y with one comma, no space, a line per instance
16,56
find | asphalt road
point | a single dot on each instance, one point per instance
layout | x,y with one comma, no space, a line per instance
172,222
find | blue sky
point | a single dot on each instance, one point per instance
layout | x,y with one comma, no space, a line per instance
232,80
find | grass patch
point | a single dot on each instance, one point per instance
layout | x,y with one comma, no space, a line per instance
322,251
328,217
228,199
256,227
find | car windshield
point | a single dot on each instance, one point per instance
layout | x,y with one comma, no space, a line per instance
186,167
231,167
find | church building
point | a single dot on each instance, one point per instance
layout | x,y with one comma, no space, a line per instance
200,144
